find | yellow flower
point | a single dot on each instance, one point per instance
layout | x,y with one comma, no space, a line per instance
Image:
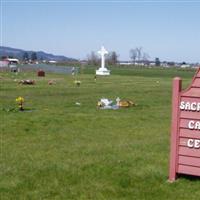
20,100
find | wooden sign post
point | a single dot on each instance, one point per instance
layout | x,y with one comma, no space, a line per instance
185,129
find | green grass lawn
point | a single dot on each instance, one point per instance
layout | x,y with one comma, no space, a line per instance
59,150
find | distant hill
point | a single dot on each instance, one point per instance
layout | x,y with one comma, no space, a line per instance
18,53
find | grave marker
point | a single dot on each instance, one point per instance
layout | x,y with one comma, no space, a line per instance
41,73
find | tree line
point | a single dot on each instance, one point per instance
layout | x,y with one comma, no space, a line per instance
136,55
25,56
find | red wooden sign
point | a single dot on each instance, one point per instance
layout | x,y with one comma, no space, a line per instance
185,129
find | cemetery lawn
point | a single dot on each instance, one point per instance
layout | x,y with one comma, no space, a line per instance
59,150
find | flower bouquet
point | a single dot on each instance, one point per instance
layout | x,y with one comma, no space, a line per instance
20,101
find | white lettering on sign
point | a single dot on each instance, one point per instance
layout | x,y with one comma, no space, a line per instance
190,106
194,125
192,143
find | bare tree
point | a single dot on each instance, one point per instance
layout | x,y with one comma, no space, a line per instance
139,53
133,55
112,58
145,56
92,58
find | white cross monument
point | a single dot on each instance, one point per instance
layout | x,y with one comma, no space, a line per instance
103,70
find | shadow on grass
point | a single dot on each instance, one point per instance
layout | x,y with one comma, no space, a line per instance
189,177
12,109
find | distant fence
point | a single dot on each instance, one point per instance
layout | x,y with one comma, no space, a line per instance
4,69
50,68
44,67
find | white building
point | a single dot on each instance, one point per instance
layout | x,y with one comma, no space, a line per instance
185,65
12,60
52,61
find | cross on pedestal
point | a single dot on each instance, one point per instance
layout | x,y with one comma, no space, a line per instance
103,52
103,70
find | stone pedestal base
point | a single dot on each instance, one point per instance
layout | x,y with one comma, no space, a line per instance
103,72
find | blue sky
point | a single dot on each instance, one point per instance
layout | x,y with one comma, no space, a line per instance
169,30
